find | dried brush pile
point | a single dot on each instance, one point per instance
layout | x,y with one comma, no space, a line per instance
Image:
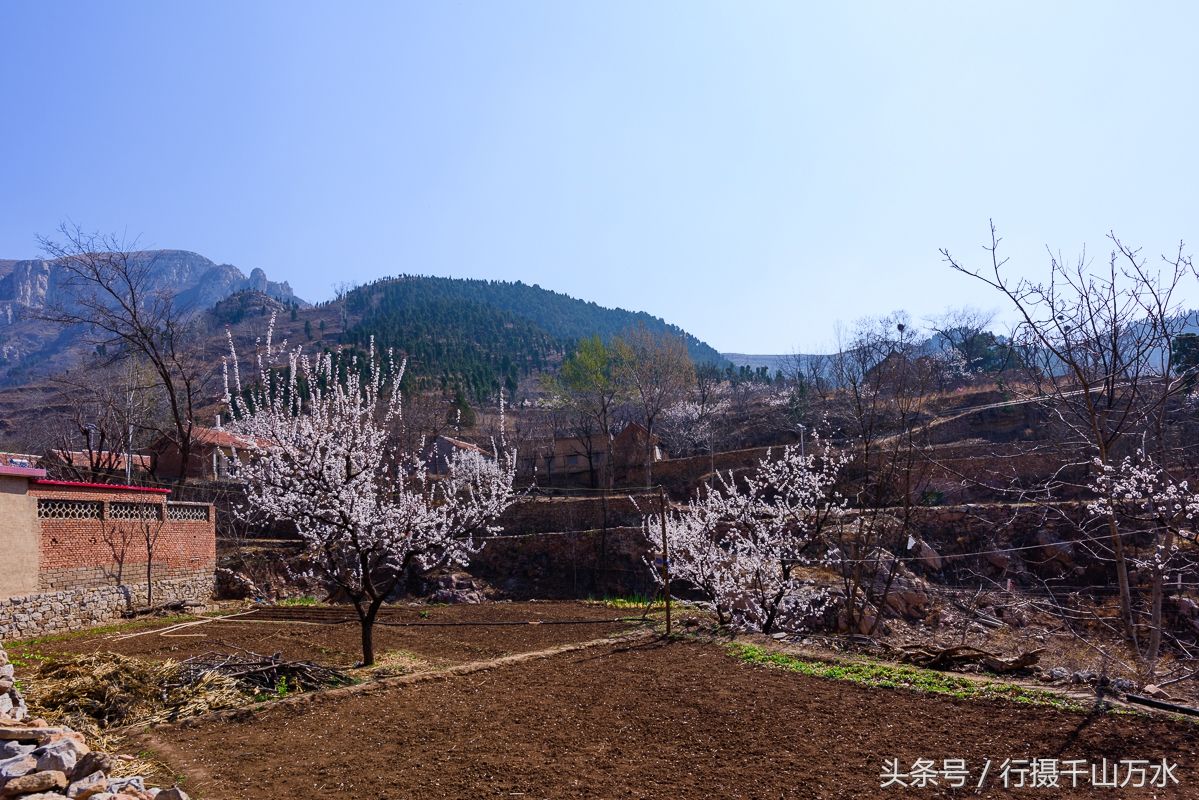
106,690
99,691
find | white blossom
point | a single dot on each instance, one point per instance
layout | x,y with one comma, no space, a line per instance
739,541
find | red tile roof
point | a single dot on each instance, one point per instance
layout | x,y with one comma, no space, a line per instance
111,487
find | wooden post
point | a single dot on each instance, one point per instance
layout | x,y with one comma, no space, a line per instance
665,557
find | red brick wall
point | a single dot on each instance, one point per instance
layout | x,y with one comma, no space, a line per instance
86,552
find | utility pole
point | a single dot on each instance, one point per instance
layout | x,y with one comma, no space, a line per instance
665,557
129,440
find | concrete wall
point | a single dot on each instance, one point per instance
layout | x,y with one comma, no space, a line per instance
19,534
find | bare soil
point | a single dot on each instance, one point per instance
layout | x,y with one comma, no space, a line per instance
434,635
678,720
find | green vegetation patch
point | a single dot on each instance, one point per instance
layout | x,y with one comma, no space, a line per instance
893,676
306,601
629,603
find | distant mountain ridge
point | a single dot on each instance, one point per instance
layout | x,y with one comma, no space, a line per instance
475,335
29,286
197,282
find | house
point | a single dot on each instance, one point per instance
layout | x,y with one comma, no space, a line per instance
95,464
215,455
575,460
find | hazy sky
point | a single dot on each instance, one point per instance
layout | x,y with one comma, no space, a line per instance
751,171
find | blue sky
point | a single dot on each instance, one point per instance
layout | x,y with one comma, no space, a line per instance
754,172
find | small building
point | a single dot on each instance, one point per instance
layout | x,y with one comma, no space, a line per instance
215,455
576,460
76,554
96,465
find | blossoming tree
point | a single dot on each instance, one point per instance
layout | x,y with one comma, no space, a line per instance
326,457
1158,511
740,541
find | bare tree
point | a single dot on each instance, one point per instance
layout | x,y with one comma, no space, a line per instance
1097,346
148,531
881,383
110,292
658,372
964,332
111,410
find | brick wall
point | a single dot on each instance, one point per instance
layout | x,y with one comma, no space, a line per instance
92,556
87,552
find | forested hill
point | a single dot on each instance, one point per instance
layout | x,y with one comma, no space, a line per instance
485,333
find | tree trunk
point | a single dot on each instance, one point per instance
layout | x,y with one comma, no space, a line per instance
1129,620
649,462
366,620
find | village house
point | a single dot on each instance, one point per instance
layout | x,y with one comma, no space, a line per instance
215,455
90,465
580,460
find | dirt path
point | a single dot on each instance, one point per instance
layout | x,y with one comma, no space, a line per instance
661,721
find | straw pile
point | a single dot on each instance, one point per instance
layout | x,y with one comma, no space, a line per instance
106,690
98,691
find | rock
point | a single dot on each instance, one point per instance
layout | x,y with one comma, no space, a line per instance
17,766
929,557
34,733
14,749
1155,691
62,755
90,763
133,784
1055,550
34,782
1000,561
86,787
1059,674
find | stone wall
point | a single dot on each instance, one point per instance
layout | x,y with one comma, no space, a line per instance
590,563
42,613
11,704
1023,543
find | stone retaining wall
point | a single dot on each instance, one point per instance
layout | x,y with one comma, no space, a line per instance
74,609
592,563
